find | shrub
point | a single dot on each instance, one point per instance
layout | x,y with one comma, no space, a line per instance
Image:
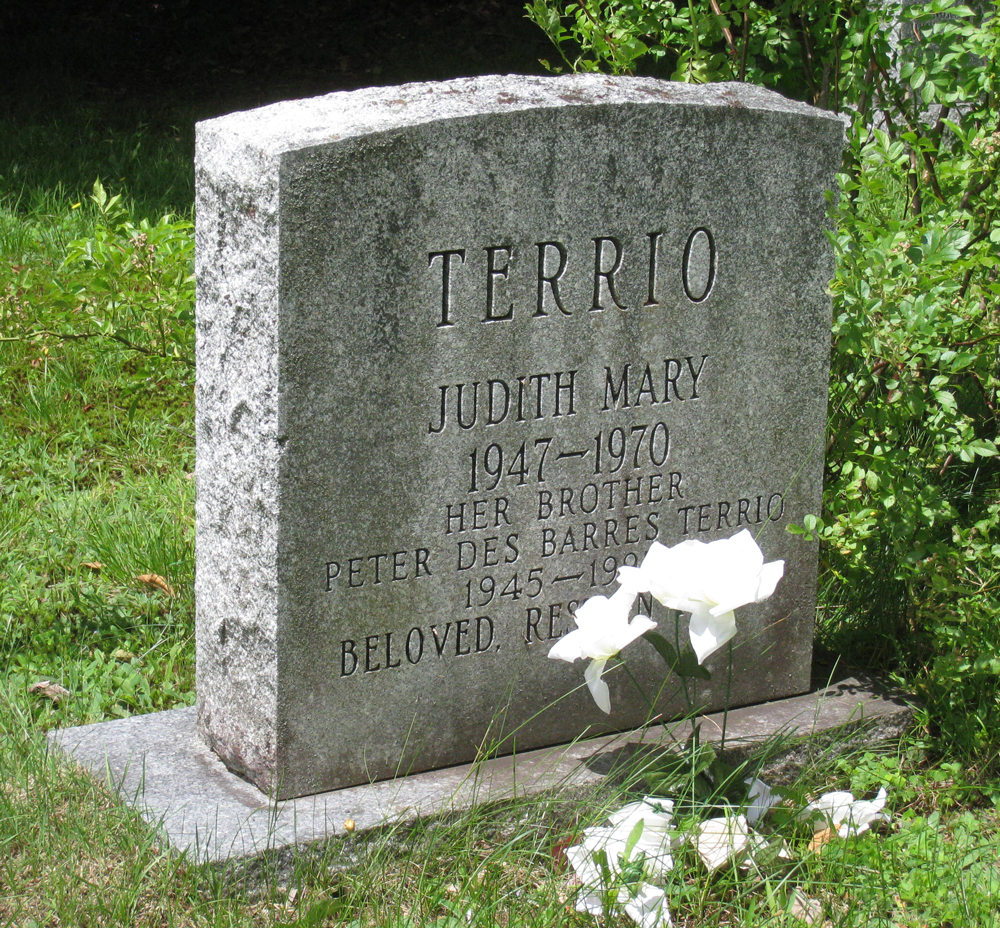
127,283
912,502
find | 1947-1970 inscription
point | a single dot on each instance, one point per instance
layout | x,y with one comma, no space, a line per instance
586,507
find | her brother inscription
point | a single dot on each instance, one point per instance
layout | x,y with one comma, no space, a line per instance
465,350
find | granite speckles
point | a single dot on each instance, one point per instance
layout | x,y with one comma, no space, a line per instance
463,350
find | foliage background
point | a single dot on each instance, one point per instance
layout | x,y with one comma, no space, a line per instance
96,300
909,526
95,296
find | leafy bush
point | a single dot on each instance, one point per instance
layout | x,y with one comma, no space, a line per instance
128,283
96,446
912,503
788,45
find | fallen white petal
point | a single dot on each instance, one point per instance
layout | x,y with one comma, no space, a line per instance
761,797
648,908
581,858
653,843
845,813
862,813
721,840
589,904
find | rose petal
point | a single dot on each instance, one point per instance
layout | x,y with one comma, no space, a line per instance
708,633
598,688
761,797
708,580
721,840
648,907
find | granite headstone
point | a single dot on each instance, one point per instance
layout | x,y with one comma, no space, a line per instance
464,349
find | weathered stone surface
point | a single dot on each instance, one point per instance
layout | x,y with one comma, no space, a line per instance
463,350
160,765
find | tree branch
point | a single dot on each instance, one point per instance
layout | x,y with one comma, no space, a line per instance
726,31
72,336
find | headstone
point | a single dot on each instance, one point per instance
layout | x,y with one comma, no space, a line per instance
464,349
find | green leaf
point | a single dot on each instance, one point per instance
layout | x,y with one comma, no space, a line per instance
664,648
633,838
688,666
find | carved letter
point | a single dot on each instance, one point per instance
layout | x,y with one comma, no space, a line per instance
445,257
461,632
439,643
552,280
388,651
492,272
531,626
651,299
475,406
607,276
480,645
491,418
568,388
410,648
332,572
347,651
695,376
698,269
609,388
371,645
440,428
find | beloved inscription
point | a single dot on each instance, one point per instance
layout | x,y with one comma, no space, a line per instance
382,652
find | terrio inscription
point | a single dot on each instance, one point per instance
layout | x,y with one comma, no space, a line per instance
697,274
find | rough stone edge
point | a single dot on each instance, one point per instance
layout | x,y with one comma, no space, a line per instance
158,764
238,450
295,124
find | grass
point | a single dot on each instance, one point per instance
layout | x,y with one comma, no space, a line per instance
53,155
96,453
71,855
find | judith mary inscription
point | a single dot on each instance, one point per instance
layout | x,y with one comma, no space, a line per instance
504,333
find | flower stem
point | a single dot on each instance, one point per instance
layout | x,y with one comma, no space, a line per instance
688,698
725,708
635,683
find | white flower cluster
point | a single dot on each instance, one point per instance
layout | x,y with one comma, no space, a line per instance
708,580
845,814
598,861
624,861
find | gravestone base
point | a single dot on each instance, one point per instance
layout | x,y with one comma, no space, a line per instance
160,765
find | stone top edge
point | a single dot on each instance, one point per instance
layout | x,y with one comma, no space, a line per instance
296,124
